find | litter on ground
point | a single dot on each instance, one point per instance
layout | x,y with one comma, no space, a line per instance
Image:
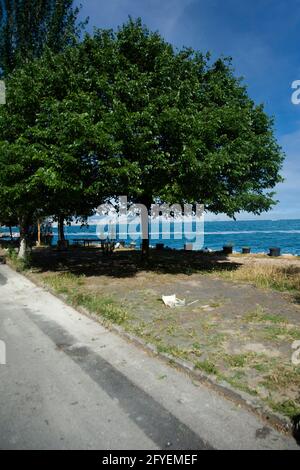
172,301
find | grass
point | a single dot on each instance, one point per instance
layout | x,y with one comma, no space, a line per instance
281,377
103,306
20,265
236,381
174,351
207,366
287,407
260,316
69,284
63,283
237,360
267,276
275,333
261,367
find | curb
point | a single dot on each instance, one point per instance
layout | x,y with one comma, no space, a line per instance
242,399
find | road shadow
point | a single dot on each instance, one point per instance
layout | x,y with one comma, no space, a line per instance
126,263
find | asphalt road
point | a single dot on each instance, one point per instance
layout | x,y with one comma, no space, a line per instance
68,383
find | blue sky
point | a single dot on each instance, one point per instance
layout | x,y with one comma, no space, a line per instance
261,36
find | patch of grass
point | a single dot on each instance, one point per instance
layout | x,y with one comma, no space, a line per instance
294,334
275,333
288,408
282,377
267,275
237,360
240,374
170,330
262,367
236,382
137,329
206,366
206,326
239,381
216,339
103,306
69,284
173,351
215,304
63,283
20,265
260,316
257,361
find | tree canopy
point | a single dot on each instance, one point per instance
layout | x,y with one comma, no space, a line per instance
124,113
50,141
189,128
27,27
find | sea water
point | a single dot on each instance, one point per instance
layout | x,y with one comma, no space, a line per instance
259,235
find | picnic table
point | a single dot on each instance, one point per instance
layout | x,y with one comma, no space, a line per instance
85,241
106,246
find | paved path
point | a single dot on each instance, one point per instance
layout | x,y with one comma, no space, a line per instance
71,384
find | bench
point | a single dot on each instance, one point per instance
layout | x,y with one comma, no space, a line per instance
106,246
85,241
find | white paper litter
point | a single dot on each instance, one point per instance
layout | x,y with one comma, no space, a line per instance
172,301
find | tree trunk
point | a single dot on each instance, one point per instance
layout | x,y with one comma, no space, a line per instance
10,232
60,228
62,243
145,247
39,233
24,235
145,228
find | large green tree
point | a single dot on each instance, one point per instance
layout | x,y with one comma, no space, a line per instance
188,130
54,141
28,26
126,114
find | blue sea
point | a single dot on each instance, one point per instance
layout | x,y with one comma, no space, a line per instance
260,235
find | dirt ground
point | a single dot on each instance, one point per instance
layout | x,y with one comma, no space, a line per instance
231,330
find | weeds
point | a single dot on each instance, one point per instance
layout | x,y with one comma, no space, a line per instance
260,316
19,264
69,284
289,408
265,275
206,366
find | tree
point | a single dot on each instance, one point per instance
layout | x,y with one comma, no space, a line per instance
54,141
126,114
188,130
27,27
